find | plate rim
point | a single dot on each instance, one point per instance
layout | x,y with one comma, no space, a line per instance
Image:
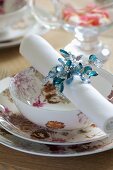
104,148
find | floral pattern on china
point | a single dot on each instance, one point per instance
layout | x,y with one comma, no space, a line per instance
14,122
12,141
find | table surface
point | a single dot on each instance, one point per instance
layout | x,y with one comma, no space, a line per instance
11,62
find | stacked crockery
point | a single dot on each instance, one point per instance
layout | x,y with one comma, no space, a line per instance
56,121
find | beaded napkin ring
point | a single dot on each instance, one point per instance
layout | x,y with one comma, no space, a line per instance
69,66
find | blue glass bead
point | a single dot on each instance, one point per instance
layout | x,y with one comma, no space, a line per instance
59,68
80,66
74,72
57,80
87,69
68,75
92,58
69,80
77,69
93,73
51,74
61,87
68,63
64,53
61,61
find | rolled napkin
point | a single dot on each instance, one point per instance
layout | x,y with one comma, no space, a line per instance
39,53
91,102
44,57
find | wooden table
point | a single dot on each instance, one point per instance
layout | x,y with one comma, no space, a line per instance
10,63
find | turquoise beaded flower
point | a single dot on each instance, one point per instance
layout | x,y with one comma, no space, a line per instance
69,66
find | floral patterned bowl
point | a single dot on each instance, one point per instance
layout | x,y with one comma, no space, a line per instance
10,12
42,104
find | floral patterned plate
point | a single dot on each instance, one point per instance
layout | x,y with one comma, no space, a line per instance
15,123
22,145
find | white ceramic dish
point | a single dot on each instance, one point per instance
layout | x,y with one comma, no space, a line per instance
14,122
25,89
51,111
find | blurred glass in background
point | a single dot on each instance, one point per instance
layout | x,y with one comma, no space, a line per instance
87,19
